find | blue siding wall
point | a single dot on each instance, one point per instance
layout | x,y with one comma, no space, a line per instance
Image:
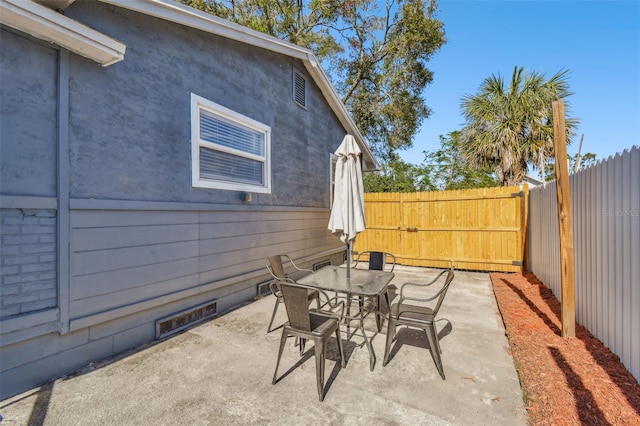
126,260
142,243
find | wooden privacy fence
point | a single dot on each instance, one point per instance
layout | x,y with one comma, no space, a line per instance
478,229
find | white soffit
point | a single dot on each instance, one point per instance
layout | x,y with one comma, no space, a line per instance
46,24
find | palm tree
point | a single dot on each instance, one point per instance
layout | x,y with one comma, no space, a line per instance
509,128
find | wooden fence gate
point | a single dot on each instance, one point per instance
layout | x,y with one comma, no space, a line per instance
478,229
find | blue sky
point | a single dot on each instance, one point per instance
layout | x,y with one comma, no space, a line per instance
597,41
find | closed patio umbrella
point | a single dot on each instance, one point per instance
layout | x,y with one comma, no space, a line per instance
347,212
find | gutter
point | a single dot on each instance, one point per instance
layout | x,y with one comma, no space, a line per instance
46,24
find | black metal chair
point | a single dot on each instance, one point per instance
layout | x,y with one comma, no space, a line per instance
378,261
305,324
275,266
419,316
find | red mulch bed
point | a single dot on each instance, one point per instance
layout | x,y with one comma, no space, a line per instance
564,381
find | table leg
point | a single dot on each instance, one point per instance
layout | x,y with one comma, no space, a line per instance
348,317
372,354
379,315
367,340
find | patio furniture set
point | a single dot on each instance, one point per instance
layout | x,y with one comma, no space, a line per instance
319,302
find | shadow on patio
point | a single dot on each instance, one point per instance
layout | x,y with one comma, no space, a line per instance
220,373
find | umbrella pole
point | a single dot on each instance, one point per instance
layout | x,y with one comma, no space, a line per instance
348,260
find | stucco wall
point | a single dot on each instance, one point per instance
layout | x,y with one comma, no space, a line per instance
28,114
130,129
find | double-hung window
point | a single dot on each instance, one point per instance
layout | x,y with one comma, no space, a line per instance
228,150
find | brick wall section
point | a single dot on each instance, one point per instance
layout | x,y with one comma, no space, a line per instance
28,261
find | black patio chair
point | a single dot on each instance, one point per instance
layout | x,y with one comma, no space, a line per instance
276,268
378,261
419,315
316,325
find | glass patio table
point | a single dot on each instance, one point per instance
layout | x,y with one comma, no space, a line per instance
362,283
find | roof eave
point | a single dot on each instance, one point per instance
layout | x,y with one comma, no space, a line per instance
46,24
369,162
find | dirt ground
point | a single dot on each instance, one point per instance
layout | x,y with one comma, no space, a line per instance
564,381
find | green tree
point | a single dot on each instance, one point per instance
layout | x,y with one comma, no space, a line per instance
376,54
447,169
511,127
585,161
443,169
397,176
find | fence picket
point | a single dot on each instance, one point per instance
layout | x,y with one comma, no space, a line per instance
606,250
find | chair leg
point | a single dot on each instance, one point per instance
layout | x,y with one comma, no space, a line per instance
273,315
435,350
391,332
340,347
319,346
435,332
283,341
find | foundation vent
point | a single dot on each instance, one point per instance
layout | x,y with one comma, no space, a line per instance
320,265
264,289
185,319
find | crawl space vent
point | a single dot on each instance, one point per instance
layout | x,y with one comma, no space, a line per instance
320,265
264,289
182,320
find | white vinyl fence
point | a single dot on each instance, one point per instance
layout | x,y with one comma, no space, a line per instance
605,202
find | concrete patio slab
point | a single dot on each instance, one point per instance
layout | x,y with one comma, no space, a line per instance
219,373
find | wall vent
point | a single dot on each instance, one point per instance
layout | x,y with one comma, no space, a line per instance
264,289
320,265
299,89
185,319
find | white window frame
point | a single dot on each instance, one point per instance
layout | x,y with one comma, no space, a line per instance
333,162
198,104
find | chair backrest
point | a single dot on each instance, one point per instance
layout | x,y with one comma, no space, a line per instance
377,259
443,291
277,268
296,302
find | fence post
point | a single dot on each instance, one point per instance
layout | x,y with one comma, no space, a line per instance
568,316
